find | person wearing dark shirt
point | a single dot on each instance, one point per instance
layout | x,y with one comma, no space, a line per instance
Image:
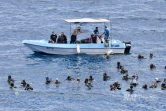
48,81
53,37
23,83
93,38
28,87
105,77
130,89
62,38
145,86
69,78
12,86
96,31
117,85
10,80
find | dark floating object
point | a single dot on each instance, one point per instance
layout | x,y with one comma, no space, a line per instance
118,65
145,86
126,77
151,55
69,78
10,80
130,89
48,81
12,86
140,56
28,87
123,71
23,83
152,66
105,77
163,86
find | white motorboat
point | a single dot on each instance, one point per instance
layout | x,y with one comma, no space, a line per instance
110,47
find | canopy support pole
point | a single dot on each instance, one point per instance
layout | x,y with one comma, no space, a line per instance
70,29
111,32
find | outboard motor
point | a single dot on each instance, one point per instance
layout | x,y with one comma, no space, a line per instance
128,47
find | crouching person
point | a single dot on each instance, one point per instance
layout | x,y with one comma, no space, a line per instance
53,37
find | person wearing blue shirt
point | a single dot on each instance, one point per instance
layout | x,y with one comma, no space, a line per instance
106,32
96,31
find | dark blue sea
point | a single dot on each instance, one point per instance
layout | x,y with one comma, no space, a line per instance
143,22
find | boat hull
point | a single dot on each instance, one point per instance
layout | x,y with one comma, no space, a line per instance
43,46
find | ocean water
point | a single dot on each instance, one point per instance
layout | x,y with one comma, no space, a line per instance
143,22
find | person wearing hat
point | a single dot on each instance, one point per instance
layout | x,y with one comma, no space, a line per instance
157,80
57,81
74,35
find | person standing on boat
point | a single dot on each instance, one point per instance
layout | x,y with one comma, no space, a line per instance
96,31
74,35
106,33
53,37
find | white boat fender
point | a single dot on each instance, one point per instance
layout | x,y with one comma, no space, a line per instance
78,49
109,52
